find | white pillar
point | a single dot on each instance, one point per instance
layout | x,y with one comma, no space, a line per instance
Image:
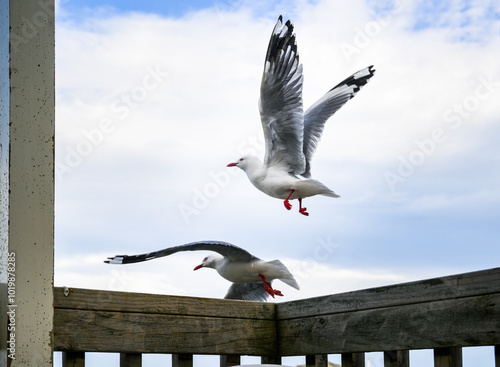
27,180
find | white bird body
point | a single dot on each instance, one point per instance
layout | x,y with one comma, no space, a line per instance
248,272
251,276
275,181
291,136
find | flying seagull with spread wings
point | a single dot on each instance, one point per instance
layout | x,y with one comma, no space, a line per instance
251,276
291,136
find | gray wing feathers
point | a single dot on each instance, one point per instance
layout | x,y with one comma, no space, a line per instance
247,292
316,115
280,102
234,253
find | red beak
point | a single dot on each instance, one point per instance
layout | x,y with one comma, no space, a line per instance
232,165
198,267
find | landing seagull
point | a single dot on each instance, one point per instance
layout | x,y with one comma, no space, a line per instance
251,276
291,136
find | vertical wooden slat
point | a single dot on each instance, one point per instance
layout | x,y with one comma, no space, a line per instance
182,360
73,359
448,357
497,355
229,360
353,360
27,128
318,360
270,359
397,358
310,360
130,359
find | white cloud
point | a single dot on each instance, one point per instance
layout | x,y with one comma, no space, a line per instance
150,110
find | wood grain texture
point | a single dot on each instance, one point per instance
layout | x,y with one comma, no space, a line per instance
456,322
90,299
454,311
107,331
449,287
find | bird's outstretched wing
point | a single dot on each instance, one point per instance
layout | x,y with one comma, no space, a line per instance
280,102
232,252
316,115
247,292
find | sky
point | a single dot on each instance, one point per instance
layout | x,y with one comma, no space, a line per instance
154,99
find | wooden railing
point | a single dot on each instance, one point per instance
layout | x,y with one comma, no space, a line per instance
444,314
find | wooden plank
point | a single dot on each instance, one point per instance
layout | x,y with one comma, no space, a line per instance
182,360
353,359
456,286
497,355
448,357
90,299
104,331
227,360
397,358
457,322
130,359
73,359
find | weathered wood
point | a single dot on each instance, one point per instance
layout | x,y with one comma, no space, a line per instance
461,310
353,360
449,287
448,357
318,360
227,360
73,359
106,331
89,299
182,360
457,322
497,355
130,359
397,358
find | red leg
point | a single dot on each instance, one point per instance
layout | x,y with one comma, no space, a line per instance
286,202
301,209
267,286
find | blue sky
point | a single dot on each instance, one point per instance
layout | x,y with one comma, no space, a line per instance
155,98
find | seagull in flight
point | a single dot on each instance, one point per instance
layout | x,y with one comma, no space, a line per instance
291,136
251,276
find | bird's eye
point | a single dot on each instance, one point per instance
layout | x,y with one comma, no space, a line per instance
205,259
241,159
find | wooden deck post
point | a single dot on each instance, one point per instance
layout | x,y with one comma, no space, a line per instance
448,357
182,360
353,360
397,358
130,359
317,360
73,359
27,181
227,360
